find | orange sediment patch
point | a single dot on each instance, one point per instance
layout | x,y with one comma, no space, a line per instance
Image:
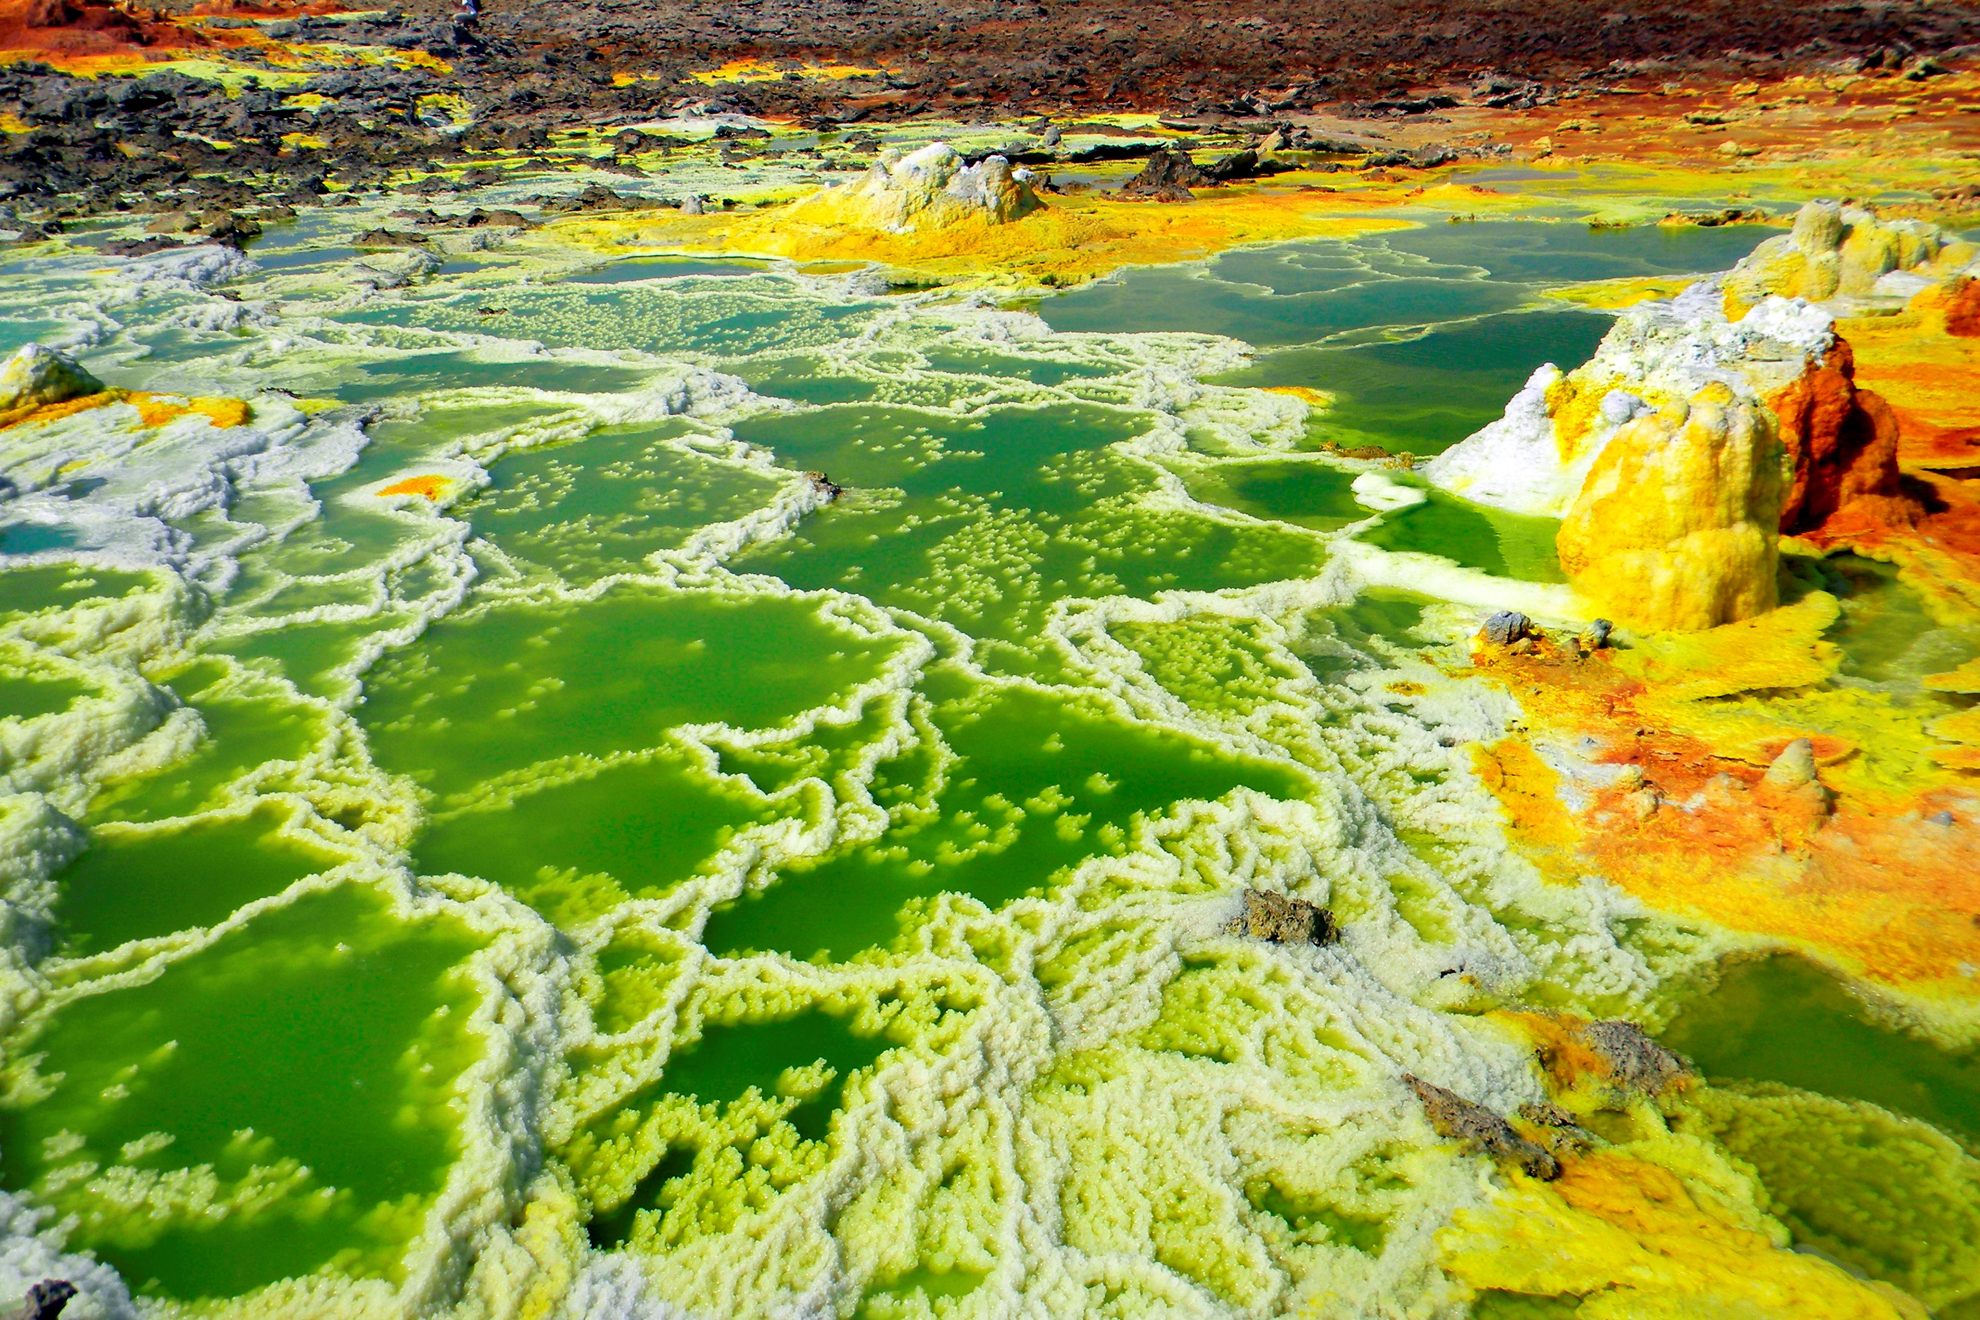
749,70
152,409
1929,375
1529,791
92,38
1856,872
1306,394
158,409
54,412
429,486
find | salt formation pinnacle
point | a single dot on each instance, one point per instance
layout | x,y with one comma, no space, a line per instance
36,376
1664,452
929,188
1676,525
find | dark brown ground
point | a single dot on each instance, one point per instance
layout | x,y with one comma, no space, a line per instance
1192,55
528,68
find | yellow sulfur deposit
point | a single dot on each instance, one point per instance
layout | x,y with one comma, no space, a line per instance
1635,1240
1674,527
1836,251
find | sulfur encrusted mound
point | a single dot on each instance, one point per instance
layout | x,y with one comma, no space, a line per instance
1537,456
36,376
1847,255
930,188
1675,527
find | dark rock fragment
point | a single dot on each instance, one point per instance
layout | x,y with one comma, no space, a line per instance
1506,627
1167,177
1458,1119
45,1300
829,488
1555,1128
1281,920
1632,1059
387,238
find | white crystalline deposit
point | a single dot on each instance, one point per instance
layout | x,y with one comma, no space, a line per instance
1535,457
35,377
929,188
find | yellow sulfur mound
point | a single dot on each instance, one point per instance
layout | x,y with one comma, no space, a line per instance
1675,526
912,192
1836,251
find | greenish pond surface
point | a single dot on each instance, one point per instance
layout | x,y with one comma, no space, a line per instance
299,1070
1782,1020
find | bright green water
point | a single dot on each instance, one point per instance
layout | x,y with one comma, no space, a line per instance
135,886
315,1049
601,505
1039,783
24,695
1781,1020
1491,540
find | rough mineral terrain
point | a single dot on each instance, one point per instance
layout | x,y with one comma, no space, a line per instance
518,73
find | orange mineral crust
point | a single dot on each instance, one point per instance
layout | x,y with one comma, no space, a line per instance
90,37
428,486
1690,799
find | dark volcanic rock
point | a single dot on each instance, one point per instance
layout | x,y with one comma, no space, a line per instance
1458,1119
1631,1058
388,238
47,1300
1281,920
1167,177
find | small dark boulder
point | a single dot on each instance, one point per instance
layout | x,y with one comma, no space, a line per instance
1167,177
388,238
1506,627
1457,1119
1633,1061
46,1300
1281,920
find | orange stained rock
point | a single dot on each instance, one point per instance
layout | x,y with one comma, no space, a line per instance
1563,1052
1842,448
430,486
1961,307
1630,1239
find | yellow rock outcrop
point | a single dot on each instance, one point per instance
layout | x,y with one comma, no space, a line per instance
1842,252
1675,527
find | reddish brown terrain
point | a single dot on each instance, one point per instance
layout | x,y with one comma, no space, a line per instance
89,129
